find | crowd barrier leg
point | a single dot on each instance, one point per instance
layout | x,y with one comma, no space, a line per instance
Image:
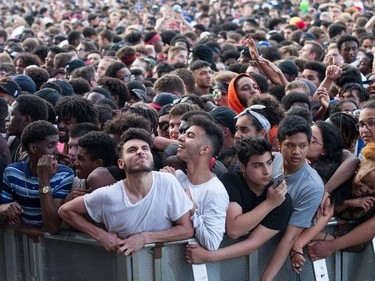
320,270
11,256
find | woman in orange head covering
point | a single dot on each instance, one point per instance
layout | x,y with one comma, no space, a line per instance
242,88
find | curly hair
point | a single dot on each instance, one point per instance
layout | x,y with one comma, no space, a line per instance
249,146
38,75
367,163
37,131
74,106
113,68
147,112
274,112
292,125
100,146
116,88
27,59
33,106
82,129
135,133
123,122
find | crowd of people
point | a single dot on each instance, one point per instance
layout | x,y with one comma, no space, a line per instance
143,122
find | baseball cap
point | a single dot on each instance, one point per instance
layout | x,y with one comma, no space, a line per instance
25,82
162,99
10,87
225,116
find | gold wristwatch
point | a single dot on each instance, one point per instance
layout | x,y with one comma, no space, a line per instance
45,189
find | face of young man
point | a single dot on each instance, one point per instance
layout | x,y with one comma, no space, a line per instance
48,146
244,128
180,57
73,148
64,126
15,122
294,150
174,126
83,164
246,89
349,51
136,157
191,143
311,75
258,170
203,77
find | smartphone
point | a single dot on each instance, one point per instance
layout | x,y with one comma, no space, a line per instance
277,180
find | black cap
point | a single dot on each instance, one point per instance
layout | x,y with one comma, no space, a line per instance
225,116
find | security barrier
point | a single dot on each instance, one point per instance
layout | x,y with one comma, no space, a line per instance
74,256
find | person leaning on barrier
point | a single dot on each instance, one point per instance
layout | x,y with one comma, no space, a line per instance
146,207
255,204
35,188
199,142
362,189
304,186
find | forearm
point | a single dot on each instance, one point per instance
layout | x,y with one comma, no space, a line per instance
248,221
326,83
175,233
343,173
78,222
281,253
370,25
50,216
308,234
319,115
245,247
362,233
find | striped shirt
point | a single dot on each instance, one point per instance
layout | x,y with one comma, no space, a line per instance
21,186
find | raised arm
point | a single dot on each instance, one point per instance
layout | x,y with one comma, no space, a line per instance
344,172
46,169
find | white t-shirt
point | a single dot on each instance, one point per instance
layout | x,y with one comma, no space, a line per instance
212,200
165,203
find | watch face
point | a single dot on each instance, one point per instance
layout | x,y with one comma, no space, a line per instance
46,189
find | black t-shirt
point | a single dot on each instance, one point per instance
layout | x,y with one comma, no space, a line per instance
239,192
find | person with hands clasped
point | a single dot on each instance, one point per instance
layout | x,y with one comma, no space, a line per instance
258,205
34,189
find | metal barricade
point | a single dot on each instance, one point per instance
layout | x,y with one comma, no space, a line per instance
74,256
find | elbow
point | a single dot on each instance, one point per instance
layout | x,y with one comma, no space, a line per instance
233,234
53,229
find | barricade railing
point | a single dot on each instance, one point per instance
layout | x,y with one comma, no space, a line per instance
75,256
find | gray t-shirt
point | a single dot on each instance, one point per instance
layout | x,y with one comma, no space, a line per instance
306,189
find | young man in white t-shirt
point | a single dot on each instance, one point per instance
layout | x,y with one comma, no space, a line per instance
197,145
146,207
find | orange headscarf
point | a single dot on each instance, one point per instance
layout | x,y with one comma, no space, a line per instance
233,101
